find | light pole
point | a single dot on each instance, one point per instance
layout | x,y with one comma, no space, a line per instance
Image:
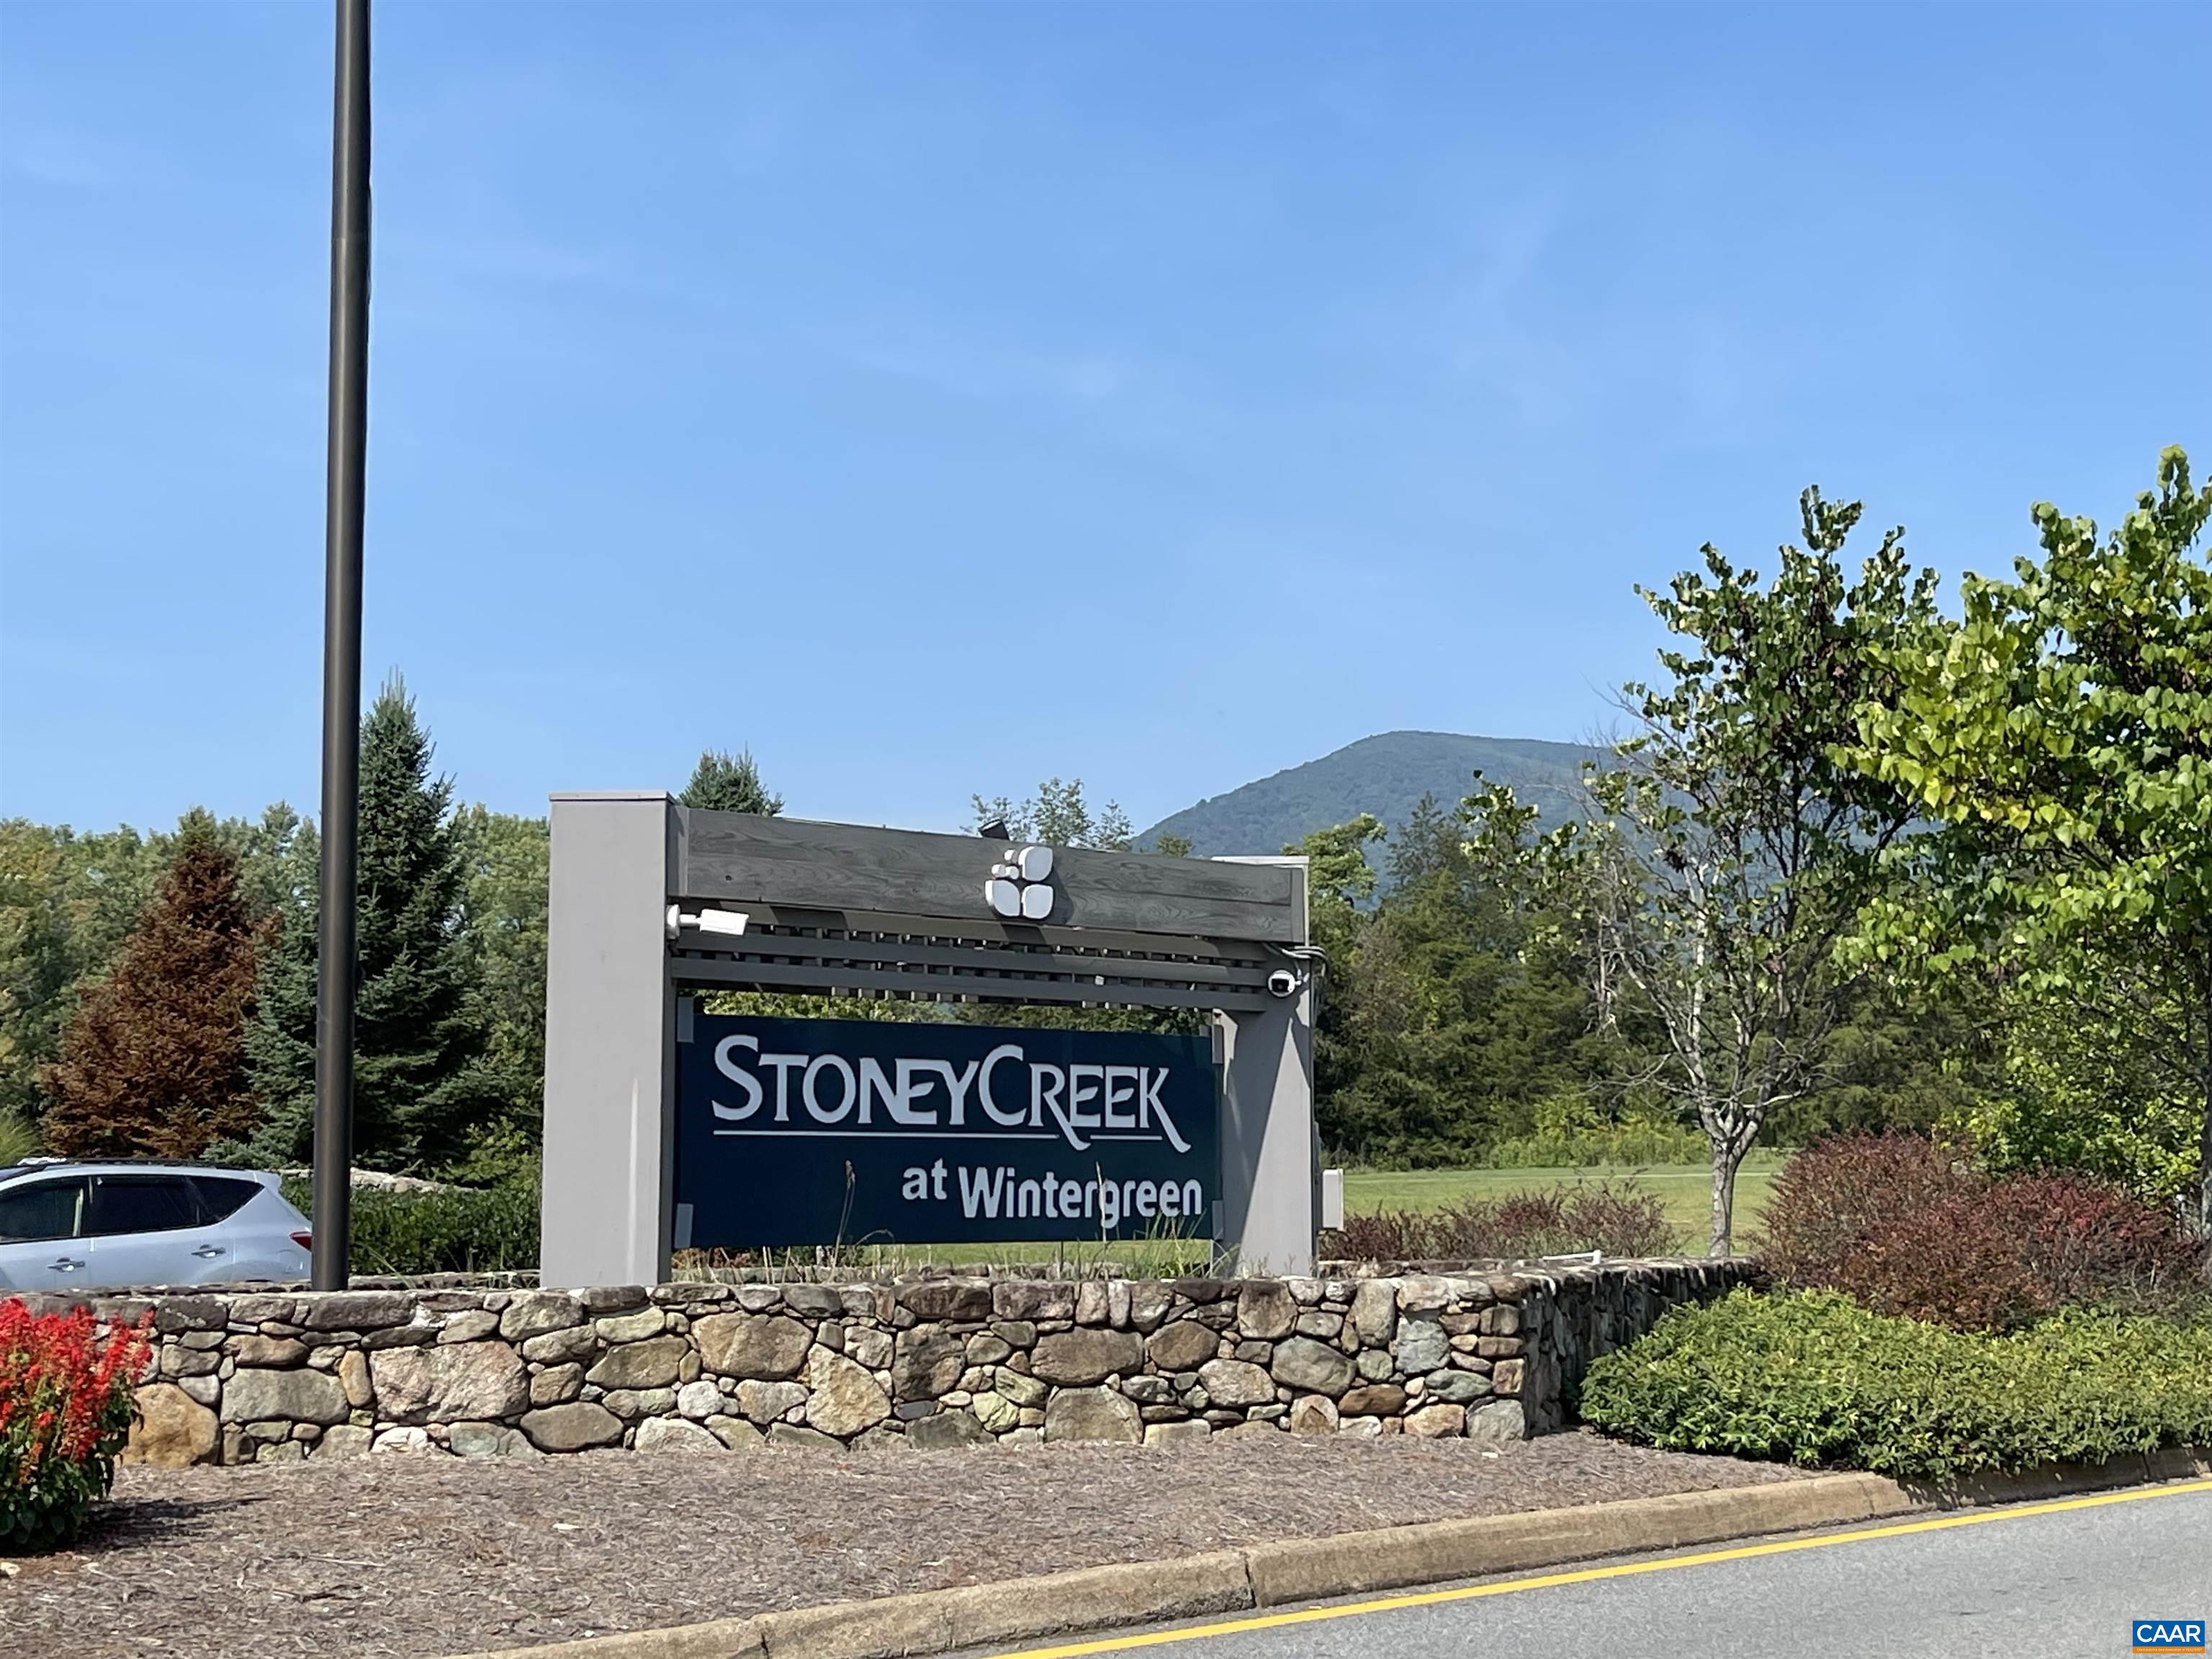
335,968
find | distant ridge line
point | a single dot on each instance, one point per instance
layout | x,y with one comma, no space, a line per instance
1386,774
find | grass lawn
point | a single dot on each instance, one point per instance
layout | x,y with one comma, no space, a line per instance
1687,1188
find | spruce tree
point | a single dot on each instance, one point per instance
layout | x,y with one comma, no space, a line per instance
724,782
153,1062
419,1082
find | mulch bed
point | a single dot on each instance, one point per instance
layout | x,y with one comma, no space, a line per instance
420,1556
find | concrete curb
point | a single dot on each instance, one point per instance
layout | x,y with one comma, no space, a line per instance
1091,1599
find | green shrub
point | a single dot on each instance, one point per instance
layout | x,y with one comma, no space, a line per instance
452,1230
19,1137
1815,1379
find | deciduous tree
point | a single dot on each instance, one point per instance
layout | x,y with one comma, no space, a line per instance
1057,815
503,922
2061,732
1734,848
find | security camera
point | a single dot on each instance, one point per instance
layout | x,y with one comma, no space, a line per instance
729,923
1282,983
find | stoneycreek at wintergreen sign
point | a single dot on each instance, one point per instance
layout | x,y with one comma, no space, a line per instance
794,1132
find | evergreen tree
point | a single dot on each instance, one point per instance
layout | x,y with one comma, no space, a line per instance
723,782
36,968
153,1062
1457,1013
420,1086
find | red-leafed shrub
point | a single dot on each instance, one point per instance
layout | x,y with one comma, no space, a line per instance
65,1387
1378,1235
1954,1258
2091,1241
1833,1197
1619,1220
1905,1227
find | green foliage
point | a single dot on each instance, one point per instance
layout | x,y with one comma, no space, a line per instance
1056,816
2060,731
1338,877
452,1229
1734,846
66,902
1813,1378
1891,1062
19,1138
503,927
33,964
723,782
422,1088
1588,1145
1456,1005
2082,1089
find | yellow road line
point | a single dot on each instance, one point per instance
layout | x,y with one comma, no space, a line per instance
1591,1575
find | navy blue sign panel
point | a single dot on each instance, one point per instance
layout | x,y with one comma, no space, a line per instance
794,1132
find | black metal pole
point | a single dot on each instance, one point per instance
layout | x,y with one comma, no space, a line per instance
349,443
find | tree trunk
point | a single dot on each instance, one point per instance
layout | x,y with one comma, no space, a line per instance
1726,1159
2204,1172
2202,1061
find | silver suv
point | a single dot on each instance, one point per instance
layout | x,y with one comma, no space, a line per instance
73,1226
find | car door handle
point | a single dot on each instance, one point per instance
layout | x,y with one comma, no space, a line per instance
207,1250
63,1264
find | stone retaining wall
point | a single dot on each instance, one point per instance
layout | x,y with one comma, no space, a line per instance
261,1374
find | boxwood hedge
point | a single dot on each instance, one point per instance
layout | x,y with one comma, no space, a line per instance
1815,1379
452,1230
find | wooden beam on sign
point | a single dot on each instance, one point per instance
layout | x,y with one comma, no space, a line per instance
994,929
1090,990
737,858
983,959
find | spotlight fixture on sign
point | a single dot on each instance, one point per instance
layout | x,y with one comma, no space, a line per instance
731,924
1019,887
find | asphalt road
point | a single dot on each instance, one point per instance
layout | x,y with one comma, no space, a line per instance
2060,1583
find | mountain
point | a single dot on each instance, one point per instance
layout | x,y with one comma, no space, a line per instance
1383,774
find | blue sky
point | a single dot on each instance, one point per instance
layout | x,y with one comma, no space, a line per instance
936,399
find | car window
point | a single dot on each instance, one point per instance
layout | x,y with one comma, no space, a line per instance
142,1204
42,1209
221,1196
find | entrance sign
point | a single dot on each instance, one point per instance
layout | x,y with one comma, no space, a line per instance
650,901
794,1132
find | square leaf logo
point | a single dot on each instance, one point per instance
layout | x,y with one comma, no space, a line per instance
1020,885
